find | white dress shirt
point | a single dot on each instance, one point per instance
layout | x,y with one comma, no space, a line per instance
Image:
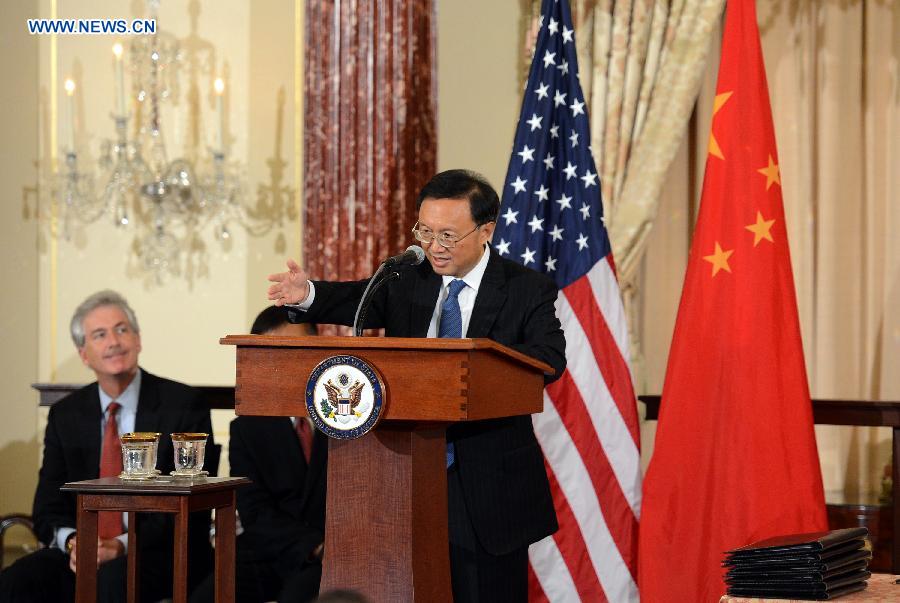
467,295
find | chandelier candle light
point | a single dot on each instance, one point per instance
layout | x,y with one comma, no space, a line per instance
220,108
120,79
70,94
165,202
171,200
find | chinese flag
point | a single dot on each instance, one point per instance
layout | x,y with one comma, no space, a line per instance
735,459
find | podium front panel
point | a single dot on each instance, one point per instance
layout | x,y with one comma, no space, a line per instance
420,385
277,384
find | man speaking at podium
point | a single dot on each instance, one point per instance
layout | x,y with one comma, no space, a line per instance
498,495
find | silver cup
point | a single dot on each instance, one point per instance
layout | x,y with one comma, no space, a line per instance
190,450
139,454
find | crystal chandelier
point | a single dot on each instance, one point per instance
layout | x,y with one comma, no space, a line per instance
167,202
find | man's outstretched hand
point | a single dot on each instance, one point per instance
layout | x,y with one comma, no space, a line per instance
291,287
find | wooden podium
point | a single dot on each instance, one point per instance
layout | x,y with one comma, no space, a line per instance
386,517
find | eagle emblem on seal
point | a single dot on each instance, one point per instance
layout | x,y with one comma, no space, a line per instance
343,397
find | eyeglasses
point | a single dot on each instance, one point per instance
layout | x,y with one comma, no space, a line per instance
445,240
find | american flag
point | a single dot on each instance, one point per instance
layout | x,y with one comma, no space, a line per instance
551,219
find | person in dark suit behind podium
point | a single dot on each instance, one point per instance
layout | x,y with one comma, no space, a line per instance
498,494
282,512
82,442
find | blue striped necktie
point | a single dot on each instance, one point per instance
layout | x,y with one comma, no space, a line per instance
451,326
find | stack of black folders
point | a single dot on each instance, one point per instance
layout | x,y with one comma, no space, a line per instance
817,567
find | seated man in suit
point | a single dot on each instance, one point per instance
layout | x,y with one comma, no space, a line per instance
282,512
498,494
82,442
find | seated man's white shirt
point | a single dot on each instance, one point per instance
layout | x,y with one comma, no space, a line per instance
125,420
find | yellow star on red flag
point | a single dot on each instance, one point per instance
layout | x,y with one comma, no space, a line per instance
714,149
771,173
761,230
719,259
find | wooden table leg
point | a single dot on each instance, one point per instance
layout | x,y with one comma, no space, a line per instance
224,576
179,581
133,561
895,545
85,554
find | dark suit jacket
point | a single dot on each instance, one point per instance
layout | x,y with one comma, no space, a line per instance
283,510
72,445
500,464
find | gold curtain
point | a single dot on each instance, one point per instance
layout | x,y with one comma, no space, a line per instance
832,68
640,64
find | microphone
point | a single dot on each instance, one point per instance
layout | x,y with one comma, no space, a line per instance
413,256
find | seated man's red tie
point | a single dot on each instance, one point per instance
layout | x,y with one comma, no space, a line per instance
109,523
305,433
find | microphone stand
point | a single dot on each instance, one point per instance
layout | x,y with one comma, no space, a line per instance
359,319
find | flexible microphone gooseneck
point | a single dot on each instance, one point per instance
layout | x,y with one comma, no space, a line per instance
413,256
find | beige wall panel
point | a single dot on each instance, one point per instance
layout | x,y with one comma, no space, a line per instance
479,85
18,268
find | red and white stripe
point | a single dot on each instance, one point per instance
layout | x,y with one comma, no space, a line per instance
589,434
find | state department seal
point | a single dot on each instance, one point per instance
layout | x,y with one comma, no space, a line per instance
344,397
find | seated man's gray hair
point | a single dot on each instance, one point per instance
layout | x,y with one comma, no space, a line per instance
107,297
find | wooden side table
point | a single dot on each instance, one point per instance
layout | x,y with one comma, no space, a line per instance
163,495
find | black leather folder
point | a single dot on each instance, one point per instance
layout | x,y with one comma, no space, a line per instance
783,583
819,566
802,574
802,556
804,568
815,543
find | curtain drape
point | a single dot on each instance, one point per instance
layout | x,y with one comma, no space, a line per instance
640,65
369,131
833,69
